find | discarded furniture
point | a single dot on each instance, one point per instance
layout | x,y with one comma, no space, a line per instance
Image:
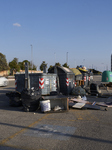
58,103
94,89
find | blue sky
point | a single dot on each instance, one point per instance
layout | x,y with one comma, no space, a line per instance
80,30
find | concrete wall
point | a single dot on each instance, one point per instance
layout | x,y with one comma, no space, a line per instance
4,73
7,72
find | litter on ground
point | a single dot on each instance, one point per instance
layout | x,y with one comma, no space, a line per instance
82,103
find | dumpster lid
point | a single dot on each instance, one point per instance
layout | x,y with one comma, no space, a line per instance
64,69
84,70
76,71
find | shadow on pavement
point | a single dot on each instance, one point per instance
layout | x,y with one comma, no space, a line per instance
58,133
8,148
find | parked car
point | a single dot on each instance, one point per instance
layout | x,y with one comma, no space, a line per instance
3,81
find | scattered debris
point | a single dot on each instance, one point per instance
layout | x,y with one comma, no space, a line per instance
104,104
77,105
80,103
84,98
58,108
78,100
90,106
31,100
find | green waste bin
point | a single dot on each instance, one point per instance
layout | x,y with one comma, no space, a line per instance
107,76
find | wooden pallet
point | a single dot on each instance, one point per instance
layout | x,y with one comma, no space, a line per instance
79,82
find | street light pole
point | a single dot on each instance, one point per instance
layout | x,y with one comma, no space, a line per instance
75,63
84,62
31,58
55,58
67,57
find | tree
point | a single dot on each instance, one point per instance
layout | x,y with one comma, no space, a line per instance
3,62
42,65
50,67
14,65
65,65
58,64
22,64
34,67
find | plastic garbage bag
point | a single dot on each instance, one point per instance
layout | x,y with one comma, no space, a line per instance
14,99
78,91
31,99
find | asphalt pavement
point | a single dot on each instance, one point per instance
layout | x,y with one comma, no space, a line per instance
75,129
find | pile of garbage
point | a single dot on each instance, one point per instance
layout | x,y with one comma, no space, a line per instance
78,91
82,103
28,98
32,100
14,99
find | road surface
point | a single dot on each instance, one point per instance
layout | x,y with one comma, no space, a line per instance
76,129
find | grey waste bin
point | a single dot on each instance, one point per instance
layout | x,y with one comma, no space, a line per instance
66,79
42,81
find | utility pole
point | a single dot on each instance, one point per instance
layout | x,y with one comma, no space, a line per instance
31,58
67,57
55,57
